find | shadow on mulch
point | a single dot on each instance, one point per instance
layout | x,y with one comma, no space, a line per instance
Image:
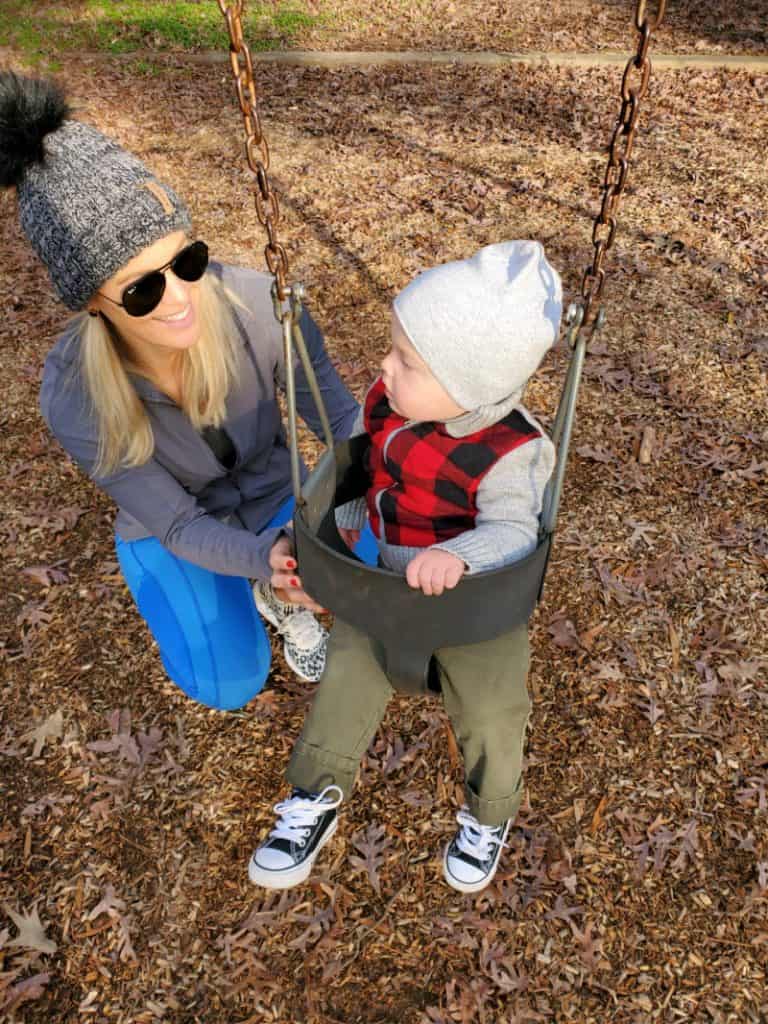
717,22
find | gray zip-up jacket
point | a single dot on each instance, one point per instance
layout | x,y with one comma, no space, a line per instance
183,494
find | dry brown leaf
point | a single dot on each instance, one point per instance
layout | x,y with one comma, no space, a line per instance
597,817
25,991
51,728
31,932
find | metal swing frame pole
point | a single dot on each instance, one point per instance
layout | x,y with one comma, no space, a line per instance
293,340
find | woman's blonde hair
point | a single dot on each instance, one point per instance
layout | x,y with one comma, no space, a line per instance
208,369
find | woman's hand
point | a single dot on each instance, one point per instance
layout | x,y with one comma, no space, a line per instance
282,561
434,571
350,537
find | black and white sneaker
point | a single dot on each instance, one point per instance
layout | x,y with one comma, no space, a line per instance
472,856
306,821
304,639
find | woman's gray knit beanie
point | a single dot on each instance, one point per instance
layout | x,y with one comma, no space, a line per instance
86,205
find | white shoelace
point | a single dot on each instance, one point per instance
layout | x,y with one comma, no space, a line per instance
302,629
299,813
476,840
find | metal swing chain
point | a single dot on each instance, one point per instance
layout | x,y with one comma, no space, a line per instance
268,212
634,86
585,319
256,148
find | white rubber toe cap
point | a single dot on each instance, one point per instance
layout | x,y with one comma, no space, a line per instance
465,873
272,859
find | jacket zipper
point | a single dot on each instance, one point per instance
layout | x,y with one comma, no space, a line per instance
380,494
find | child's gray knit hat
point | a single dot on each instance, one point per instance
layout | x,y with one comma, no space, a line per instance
484,324
85,204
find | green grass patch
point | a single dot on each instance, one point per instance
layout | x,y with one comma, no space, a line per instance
120,26
147,67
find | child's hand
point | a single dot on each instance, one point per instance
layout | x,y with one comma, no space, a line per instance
350,537
434,571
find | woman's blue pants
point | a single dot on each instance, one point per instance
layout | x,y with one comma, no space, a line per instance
211,638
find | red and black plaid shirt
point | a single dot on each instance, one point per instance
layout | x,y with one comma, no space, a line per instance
423,481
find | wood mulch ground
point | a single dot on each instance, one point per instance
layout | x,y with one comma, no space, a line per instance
719,26
635,888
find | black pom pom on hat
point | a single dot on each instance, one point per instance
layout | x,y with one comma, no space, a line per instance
86,205
30,108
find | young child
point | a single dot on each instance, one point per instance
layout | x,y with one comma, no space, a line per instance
458,470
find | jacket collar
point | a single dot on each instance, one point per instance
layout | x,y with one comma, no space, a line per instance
482,417
146,390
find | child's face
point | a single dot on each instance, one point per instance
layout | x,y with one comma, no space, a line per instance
412,390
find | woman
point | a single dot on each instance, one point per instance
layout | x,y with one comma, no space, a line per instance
163,389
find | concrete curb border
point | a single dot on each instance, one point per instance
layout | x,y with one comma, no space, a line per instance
480,58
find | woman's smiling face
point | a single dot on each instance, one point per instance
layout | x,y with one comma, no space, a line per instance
175,322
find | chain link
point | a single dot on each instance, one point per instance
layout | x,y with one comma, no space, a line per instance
256,148
642,19
634,86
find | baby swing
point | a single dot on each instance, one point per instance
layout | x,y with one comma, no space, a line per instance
409,625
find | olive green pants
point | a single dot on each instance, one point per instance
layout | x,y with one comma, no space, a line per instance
485,695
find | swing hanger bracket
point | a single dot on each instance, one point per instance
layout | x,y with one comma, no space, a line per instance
574,320
290,303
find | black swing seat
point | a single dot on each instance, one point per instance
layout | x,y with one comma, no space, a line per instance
409,625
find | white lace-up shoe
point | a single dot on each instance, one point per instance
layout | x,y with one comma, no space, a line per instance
472,856
304,639
306,821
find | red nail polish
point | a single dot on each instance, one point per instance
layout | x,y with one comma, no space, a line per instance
290,563
294,581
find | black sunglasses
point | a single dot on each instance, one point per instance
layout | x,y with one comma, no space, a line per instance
144,295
